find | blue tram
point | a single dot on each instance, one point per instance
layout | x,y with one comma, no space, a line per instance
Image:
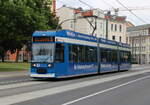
67,53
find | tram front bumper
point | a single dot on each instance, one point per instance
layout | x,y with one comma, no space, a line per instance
43,75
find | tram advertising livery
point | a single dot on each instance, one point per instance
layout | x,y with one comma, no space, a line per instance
67,53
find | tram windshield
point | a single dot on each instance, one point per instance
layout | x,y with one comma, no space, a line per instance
43,52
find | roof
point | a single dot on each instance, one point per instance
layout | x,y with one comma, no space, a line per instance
140,27
72,8
130,24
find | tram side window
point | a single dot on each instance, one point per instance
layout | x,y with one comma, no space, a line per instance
125,56
122,56
128,54
129,57
114,56
91,54
59,54
79,53
104,55
108,55
73,53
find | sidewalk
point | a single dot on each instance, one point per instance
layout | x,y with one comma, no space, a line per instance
136,65
140,65
14,73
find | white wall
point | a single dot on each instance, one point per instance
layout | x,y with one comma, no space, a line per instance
82,25
64,13
117,33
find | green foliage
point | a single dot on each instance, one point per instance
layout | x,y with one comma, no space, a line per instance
20,18
14,66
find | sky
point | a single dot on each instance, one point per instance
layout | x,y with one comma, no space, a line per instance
144,15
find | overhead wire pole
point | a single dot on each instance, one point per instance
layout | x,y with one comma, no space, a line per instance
140,44
106,18
91,7
98,50
94,28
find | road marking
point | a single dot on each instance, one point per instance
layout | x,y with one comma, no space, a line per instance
106,90
41,93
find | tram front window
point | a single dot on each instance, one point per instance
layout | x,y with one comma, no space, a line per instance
43,52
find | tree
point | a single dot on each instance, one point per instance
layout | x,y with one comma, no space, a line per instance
19,19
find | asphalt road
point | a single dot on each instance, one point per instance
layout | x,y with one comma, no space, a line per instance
122,88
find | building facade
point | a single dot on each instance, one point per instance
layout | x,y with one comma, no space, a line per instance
85,21
22,55
140,42
117,28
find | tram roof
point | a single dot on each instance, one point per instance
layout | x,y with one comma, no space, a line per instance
65,33
77,35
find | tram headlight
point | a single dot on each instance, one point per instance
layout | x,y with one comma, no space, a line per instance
34,65
49,65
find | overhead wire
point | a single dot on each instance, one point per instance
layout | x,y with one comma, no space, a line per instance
131,12
91,7
63,2
108,4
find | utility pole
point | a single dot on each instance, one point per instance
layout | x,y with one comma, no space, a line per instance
53,8
136,51
140,44
74,27
106,28
132,41
107,20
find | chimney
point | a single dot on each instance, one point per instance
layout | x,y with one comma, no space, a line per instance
53,6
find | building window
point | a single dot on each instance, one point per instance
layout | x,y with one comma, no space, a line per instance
120,28
112,27
127,39
115,27
113,37
120,38
101,25
72,24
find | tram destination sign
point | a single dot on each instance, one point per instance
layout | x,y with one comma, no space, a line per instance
43,39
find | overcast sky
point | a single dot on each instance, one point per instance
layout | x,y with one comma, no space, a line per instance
109,4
